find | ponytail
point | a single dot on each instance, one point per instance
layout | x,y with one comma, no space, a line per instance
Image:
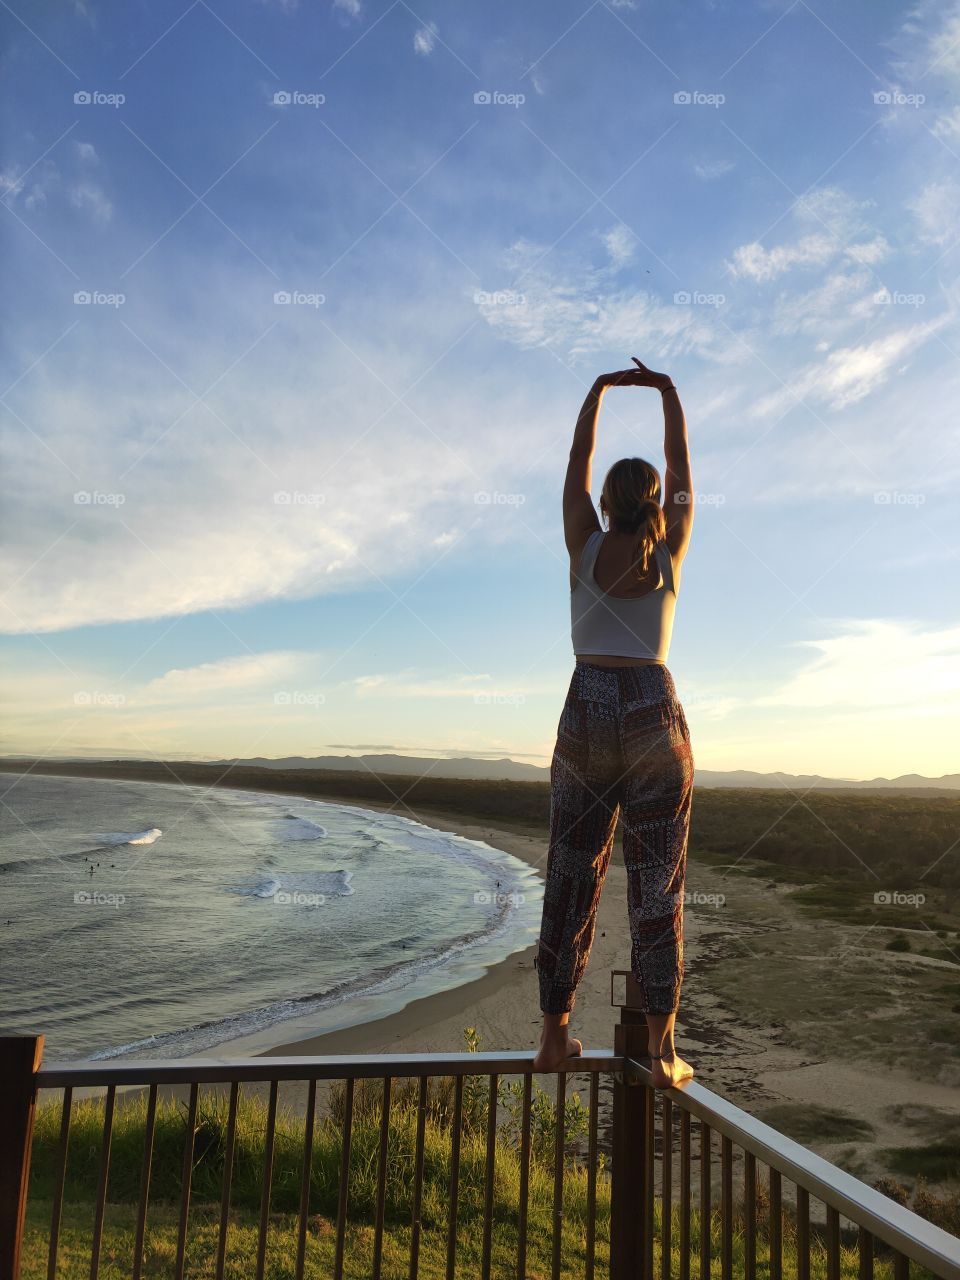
631,500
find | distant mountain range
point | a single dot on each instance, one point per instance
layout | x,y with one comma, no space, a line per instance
510,770
416,766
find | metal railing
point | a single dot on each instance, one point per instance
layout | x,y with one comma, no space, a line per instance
642,1215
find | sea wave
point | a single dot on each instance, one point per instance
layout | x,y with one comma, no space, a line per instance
308,884
111,838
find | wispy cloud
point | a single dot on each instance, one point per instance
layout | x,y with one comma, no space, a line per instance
875,662
425,40
850,373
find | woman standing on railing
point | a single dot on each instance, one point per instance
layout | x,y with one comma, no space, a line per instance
623,746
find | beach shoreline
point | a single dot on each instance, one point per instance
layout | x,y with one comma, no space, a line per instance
747,1022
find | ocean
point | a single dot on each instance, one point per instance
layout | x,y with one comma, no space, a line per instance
149,920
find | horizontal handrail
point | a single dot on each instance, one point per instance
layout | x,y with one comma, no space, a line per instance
884,1218
58,1075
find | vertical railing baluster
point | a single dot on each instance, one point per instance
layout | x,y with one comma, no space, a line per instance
803,1234
726,1207
57,1207
102,1182
865,1252
186,1177
685,1162
901,1266
833,1243
418,1179
227,1176
382,1178
559,1140
343,1190
305,1174
749,1216
666,1191
267,1179
455,1180
488,1177
648,1191
145,1168
705,1203
776,1226
594,1121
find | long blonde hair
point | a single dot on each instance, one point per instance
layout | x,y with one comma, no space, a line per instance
630,500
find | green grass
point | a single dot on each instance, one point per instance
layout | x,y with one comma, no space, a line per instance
807,1123
282,1237
934,1161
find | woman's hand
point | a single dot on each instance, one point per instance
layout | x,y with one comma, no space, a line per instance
641,376
625,378
651,379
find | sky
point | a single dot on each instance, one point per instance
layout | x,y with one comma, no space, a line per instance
302,300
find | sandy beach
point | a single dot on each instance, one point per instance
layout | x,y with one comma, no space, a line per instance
790,1013
766,1017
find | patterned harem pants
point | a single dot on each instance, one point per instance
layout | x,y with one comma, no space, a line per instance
623,747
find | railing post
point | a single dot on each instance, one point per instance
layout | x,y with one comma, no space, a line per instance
20,1058
631,1198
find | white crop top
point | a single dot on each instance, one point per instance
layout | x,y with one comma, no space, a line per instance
612,625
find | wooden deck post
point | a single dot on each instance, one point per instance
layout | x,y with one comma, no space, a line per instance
20,1058
631,1193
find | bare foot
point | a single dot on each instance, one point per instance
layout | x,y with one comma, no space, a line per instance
668,1071
555,1048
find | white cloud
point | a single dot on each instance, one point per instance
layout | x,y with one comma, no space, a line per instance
760,264
709,170
228,675
620,243
876,662
425,40
850,373
352,8
574,308
947,125
408,685
937,211
89,198
829,307
86,152
839,229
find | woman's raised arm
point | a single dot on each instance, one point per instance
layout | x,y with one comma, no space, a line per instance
579,514
678,480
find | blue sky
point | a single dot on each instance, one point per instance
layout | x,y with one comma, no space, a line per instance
234,525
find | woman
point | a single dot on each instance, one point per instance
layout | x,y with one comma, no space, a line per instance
623,746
